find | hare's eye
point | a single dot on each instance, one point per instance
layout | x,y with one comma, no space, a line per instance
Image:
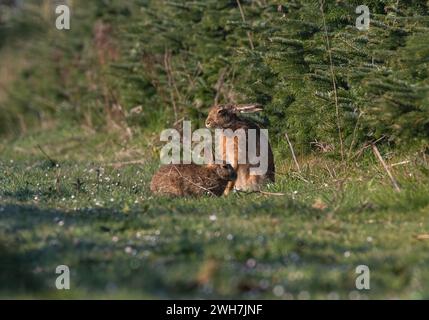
222,111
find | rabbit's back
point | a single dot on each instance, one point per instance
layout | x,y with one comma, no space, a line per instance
187,180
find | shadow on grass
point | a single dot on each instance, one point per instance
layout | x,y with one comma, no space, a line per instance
34,241
14,272
18,268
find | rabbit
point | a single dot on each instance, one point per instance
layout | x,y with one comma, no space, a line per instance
192,179
226,117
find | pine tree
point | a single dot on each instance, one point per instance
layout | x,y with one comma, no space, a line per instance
327,84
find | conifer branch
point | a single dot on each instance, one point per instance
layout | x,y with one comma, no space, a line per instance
249,36
334,84
171,83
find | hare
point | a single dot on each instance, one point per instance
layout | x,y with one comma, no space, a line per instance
192,179
226,117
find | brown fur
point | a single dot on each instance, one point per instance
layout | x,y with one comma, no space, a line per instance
192,180
225,117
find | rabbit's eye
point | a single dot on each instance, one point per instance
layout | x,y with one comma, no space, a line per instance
222,111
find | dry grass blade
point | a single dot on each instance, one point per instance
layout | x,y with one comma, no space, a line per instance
334,83
293,153
386,167
272,193
424,236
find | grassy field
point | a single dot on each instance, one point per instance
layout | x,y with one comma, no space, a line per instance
89,207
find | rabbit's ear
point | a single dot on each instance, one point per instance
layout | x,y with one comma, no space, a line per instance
248,108
223,109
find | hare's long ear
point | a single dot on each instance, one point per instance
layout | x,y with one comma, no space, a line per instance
248,108
224,108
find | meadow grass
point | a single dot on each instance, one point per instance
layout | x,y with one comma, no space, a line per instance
84,205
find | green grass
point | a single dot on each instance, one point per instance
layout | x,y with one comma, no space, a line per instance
99,218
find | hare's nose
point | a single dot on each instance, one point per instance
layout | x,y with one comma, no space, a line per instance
208,124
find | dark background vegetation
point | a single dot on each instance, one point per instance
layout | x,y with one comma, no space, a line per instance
177,58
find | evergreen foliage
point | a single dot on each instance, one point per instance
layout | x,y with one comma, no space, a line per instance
323,81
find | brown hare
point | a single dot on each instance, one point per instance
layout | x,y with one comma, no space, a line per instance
226,117
192,179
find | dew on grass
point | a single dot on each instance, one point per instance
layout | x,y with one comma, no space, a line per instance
278,290
295,275
288,296
347,254
150,238
333,296
54,243
303,295
37,270
294,257
354,295
213,217
264,284
251,263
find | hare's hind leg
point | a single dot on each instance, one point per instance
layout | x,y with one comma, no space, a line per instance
229,188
